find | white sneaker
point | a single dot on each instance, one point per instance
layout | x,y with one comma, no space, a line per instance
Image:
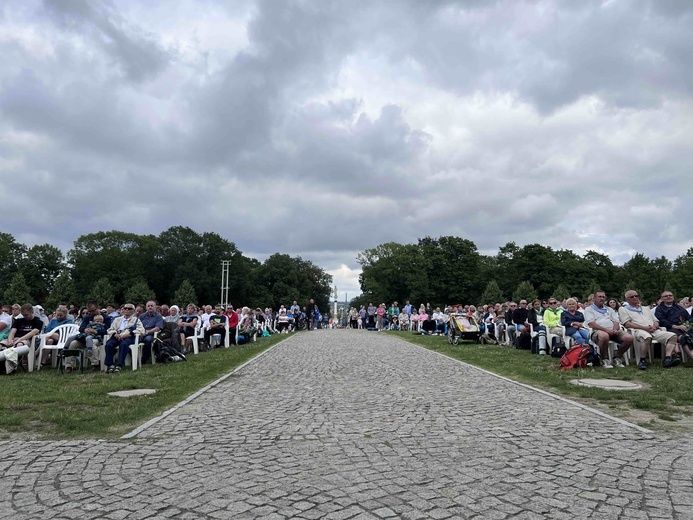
606,364
618,363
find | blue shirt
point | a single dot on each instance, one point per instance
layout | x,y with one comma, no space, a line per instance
55,323
151,321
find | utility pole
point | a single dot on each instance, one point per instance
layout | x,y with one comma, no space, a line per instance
225,272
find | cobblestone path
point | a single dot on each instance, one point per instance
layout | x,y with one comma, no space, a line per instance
352,424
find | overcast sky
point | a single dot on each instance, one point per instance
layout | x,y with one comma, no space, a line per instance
322,128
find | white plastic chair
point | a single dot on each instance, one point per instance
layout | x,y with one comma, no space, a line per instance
64,332
196,337
636,346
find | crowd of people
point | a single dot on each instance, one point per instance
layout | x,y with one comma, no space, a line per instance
115,328
596,321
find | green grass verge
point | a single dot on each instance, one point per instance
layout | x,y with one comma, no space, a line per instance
668,394
48,405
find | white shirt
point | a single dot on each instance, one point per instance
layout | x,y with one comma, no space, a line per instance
205,319
6,318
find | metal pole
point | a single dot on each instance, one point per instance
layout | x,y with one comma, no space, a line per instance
225,271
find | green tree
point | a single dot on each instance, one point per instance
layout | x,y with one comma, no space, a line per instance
121,257
682,274
102,291
453,268
139,293
591,288
603,271
524,290
41,266
281,279
505,270
561,292
650,277
18,291
11,256
186,254
492,294
63,291
394,272
185,294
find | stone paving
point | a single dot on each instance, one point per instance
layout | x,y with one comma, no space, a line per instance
358,425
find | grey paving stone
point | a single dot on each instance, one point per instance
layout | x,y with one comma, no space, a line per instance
353,425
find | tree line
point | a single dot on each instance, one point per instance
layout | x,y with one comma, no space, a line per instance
450,269
177,266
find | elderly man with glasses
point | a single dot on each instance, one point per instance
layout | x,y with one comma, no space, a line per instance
121,334
676,318
606,327
645,328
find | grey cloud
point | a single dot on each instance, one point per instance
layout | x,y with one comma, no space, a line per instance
269,152
138,54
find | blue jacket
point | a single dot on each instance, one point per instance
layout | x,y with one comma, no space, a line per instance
669,316
86,322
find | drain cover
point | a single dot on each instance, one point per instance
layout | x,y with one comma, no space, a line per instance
132,393
607,384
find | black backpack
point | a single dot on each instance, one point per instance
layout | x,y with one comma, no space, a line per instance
558,348
523,341
165,353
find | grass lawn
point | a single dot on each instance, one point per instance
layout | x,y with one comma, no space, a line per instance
666,403
47,405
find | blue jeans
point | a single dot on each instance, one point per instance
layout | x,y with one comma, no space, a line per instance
580,337
123,351
147,348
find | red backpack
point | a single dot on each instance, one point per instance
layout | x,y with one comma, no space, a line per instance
576,357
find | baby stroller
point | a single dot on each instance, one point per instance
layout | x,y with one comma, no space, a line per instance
463,327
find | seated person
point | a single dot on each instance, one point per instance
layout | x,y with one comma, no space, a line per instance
606,327
61,318
428,324
232,318
260,316
538,311
574,322
78,341
403,320
217,326
645,327
152,322
98,329
510,326
414,320
676,319
5,321
440,319
500,324
489,321
247,326
121,335
23,332
173,315
204,317
552,318
186,327
283,322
